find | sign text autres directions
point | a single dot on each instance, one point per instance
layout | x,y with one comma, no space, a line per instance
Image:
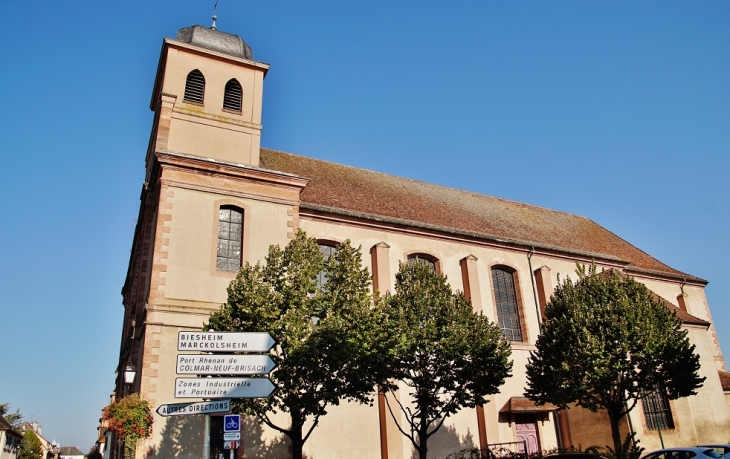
178,409
224,341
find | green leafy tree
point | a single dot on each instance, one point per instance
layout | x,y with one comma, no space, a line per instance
30,447
606,343
130,418
448,356
324,330
15,419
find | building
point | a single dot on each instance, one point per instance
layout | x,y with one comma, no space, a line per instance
50,448
9,440
213,199
70,452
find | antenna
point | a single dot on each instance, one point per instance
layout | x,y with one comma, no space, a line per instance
215,7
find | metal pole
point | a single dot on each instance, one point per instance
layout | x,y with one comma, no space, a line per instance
206,438
659,428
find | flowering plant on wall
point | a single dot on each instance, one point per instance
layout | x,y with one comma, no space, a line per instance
131,419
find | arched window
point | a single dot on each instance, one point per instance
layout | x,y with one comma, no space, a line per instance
230,239
328,249
505,297
194,87
423,258
232,96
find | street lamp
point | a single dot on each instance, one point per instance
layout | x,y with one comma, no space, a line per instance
129,373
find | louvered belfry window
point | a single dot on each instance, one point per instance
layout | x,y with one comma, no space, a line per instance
508,314
232,96
194,87
230,239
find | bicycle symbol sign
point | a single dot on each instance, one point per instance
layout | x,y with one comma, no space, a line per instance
232,423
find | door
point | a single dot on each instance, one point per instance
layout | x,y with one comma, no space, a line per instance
526,429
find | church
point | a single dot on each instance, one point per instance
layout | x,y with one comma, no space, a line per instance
213,200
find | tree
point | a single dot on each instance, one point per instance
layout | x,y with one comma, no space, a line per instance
94,453
30,446
15,419
607,342
448,356
324,331
130,419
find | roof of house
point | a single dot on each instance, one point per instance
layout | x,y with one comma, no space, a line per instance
70,451
374,195
4,424
724,380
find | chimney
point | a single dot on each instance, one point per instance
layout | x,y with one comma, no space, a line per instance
35,426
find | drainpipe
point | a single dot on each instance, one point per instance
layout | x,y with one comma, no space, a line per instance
534,290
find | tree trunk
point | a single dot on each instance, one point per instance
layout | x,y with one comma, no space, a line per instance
295,435
614,417
423,436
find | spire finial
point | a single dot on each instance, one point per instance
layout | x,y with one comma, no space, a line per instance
215,7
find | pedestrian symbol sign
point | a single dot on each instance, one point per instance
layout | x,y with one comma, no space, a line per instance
232,423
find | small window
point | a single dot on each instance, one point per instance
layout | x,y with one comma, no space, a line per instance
327,250
194,87
657,412
232,96
505,296
230,239
423,259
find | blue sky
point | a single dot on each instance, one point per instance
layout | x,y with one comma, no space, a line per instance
618,111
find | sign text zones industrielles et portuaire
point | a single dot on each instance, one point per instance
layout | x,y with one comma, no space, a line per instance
224,341
223,387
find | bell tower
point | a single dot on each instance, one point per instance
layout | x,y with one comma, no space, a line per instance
207,98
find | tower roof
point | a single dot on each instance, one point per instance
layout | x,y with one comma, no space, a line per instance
215,40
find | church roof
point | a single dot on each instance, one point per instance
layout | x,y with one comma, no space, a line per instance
215,40
373,195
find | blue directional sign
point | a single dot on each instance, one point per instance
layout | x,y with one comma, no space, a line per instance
232,423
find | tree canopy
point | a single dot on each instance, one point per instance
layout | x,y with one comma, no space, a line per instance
607,343
324,327
30,446
445,354
15,419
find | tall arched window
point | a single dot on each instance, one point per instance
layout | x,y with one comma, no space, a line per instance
230,239
232,96
328,249
505,297
194,87
422,258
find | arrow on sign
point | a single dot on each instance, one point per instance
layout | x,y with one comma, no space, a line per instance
224,364
223,387
178,409
224,341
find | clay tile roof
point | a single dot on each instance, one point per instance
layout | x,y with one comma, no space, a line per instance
374,195
525,405
724,380
4,424
70,451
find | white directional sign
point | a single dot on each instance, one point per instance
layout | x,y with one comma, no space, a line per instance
228,436
223,387
224,341
178,409
224,364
